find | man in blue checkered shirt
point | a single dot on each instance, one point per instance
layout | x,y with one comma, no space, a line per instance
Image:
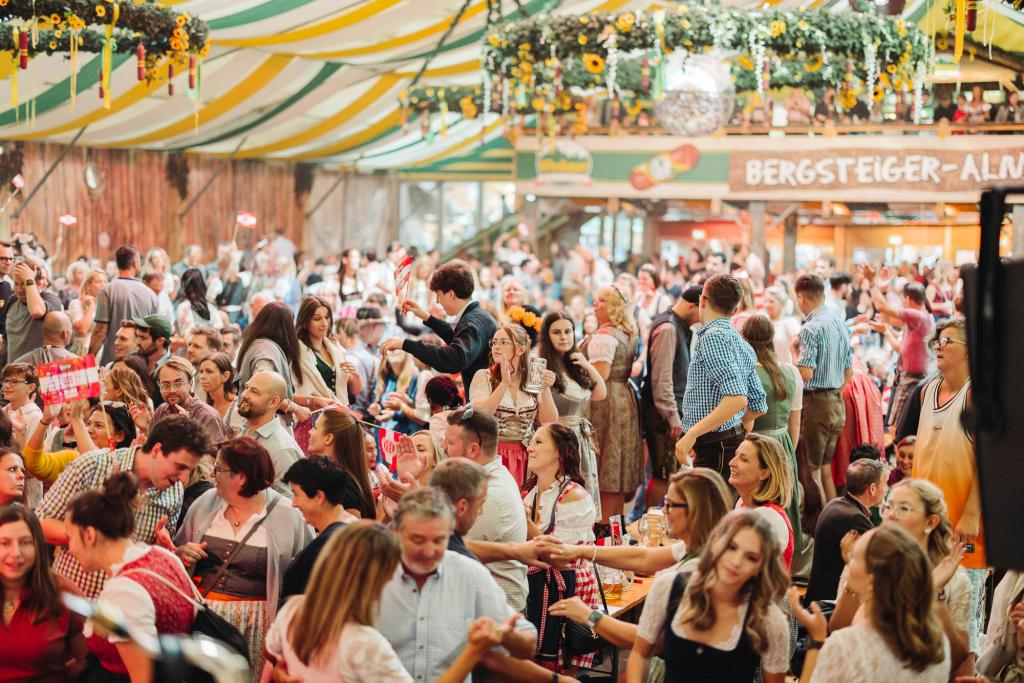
721,383
825,366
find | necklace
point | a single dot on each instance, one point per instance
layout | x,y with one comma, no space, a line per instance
9,605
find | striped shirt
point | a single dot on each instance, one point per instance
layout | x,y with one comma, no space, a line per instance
825,348
87,472
722,365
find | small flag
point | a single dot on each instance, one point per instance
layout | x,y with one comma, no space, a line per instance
68,220
402,276
18,181
246,219
68,380
389,448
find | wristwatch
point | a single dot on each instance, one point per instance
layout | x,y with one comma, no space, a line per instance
814,644
592,619
28,283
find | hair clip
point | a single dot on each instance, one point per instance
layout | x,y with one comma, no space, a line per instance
619,292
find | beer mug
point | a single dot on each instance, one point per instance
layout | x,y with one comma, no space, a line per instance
535,375
612,581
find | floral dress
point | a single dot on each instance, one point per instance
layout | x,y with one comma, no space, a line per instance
572,404
616,419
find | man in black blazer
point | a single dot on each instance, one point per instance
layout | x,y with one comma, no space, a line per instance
467,343
866,486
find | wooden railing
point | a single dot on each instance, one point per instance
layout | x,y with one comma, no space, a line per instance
829,129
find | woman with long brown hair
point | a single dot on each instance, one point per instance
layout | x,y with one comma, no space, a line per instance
271,343
901,639
40,640
577,383
760,474
328,634
558,505
501,389
783,389
611,350
722,620
337,435
217,378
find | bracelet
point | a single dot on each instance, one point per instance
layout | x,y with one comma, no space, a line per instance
814,644
594,558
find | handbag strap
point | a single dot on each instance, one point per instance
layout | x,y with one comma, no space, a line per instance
199,603
238,548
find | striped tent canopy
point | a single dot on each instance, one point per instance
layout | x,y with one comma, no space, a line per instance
318,80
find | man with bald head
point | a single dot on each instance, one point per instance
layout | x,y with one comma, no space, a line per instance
56,337
258,404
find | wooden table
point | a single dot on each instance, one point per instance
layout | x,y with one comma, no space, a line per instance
632,598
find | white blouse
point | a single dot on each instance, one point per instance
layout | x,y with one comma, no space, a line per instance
858,654
601,348
480,390
361,654
574,520
652,625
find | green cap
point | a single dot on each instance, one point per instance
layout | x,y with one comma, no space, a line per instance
157,323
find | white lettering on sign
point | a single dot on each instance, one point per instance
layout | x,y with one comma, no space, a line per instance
922,169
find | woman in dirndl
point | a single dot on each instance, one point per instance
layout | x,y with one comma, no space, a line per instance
558,505
501,389
783,387
577,383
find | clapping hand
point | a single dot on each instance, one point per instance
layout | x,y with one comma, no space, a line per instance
507,373
142,416
192,552
485,633
813,620
945,569
411,464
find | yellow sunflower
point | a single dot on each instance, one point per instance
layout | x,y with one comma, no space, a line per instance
746,63
625,22
891,68
802,25
778,27
494,40
879,94
582,39
593,63
53,44
811,68
101,11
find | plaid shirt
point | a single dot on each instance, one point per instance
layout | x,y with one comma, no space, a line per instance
722,365
89,471
825,348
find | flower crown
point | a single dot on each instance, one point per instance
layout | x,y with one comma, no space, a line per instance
526,318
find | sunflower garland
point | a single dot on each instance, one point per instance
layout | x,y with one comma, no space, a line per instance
59,23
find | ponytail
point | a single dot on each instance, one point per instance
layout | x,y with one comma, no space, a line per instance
111,511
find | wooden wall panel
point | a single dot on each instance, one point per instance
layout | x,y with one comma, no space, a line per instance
137,204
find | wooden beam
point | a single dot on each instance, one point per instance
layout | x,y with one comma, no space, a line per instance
209,182
330,191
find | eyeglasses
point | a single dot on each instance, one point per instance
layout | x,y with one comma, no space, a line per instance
177,384
496,341
467,415
898,512
7,259
943,342
668,505
12,382
217,469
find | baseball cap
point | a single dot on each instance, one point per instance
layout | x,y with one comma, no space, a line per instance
692,294
157,323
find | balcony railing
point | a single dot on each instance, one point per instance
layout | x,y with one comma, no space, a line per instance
829,129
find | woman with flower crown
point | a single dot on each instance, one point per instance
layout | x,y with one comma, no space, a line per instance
501,389
611,350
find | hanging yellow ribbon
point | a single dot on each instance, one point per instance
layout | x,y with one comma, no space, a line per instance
108,54
444,113
74,66
960,30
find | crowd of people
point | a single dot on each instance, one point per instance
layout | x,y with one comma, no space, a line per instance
428,484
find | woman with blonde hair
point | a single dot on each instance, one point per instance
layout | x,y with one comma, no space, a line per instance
722,620
918,507
328,634
82,310
761,476
501,389
900,639
696,502
611,350
121,384
397,378
783,389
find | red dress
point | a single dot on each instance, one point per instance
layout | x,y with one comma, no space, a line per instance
863,422
36,650
174,613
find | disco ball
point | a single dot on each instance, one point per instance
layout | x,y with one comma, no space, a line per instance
699,94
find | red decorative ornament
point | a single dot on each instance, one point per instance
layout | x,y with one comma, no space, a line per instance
972,15
23,49
102,93
140,53
193,72
170,79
